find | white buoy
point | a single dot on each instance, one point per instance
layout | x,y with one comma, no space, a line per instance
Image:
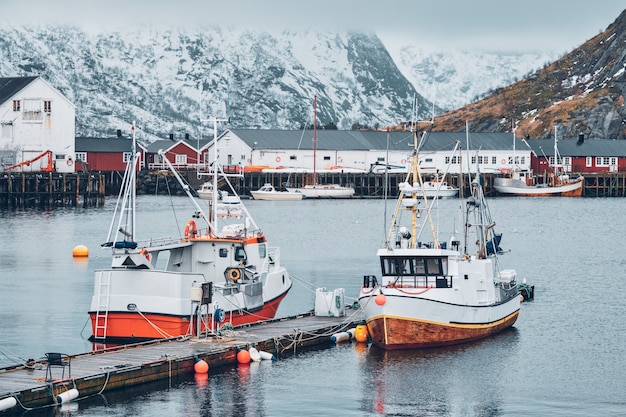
7,403
351,333
254,355
266,356
340,337
70,394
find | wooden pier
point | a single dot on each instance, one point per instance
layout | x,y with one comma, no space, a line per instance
51,189
122,367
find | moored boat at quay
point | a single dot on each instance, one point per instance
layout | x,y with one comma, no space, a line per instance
433,292
221,270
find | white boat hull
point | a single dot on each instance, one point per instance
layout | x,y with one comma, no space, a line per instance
276,195
518,187
324,191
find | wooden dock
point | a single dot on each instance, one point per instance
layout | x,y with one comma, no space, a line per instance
126,366
51,189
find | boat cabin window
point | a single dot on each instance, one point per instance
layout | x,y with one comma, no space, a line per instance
262,250
414,266
240,254
223,252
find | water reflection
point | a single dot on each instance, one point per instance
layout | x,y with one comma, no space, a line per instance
458,380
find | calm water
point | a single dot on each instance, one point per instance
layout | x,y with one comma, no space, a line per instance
565,355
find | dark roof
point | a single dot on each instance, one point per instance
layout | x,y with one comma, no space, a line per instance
115,144
164,144
574,148
12,85
371,140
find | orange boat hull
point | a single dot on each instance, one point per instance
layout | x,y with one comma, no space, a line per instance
135,327
394,333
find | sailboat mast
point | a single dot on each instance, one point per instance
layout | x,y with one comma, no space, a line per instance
315,140
133,189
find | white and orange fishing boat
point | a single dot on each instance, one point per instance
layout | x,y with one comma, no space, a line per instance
434,292
525,184
221,270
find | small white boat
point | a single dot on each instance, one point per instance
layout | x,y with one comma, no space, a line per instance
268,192
205,191
435,188
324,191
317,190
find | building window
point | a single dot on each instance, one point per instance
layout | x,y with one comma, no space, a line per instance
181,159
127,156
589,161
47,106
6,130
81,156
17,105
494,160
293,158
603,161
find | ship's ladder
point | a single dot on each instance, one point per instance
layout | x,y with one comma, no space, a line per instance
102,311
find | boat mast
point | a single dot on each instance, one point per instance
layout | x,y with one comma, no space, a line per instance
213,219
314,140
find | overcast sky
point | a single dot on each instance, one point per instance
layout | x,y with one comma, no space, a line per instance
559,25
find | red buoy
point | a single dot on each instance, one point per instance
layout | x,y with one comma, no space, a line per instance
243,356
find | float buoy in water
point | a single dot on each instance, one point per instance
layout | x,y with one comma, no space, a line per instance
243,356
80,251
201,367
361,334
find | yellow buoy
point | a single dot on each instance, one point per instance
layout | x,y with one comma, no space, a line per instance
80,251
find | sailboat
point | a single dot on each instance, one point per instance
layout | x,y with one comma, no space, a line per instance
220,270
317,190
433,292
525,183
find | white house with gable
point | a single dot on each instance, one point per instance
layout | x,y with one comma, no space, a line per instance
37,127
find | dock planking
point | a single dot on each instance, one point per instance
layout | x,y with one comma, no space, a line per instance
130,365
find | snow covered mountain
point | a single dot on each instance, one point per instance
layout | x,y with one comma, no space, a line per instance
169,80
453,78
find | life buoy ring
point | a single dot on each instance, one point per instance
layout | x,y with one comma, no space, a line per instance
503,161
278,159
403,161
191,230
249,160
234,274
340,159
70,162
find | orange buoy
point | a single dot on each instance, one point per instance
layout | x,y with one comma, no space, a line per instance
80,251
360,334
201,367
380,299
243,356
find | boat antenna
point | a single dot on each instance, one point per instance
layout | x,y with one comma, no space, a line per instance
385,192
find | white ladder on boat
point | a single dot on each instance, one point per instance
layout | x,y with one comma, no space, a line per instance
102,311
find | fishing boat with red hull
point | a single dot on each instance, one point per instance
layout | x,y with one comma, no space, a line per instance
432,292
220,271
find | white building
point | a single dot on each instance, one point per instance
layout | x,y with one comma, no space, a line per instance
37,126
367,151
